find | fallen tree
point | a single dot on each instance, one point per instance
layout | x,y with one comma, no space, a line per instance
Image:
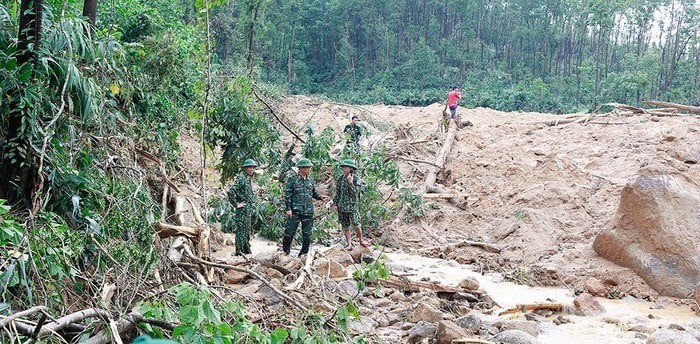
687,108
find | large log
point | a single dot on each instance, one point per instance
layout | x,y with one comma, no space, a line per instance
431,177
688,108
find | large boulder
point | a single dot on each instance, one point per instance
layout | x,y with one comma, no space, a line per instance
656,232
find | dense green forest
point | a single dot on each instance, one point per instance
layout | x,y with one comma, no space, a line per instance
507,55
97,95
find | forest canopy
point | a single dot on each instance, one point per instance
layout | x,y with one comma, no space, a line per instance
507,55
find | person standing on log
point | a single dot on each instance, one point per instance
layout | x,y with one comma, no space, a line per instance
241,197
347,202
299,193
353,131
452,102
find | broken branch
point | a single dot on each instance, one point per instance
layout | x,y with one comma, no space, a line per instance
257,276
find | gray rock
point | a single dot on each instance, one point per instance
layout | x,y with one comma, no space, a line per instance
398,296
271,298
449,331
668,336
470,322
420,331
643,328
364,325
469,283
586,305
515,337
426,312
339,255
528,327
347,288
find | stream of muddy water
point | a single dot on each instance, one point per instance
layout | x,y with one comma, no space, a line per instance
609,327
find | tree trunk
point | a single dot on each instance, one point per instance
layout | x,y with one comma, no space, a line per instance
18,175
90,11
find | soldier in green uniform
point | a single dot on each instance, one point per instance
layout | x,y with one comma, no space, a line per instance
353,131
241,197
346,202
299,192
287,163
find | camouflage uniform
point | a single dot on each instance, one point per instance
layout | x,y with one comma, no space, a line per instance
242,192
347,199
298,197
285,168
353,142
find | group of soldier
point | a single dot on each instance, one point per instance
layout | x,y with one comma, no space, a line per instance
299,193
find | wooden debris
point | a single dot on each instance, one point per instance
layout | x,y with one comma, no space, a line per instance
307,268
444,195
416,160
481,245
687,108
440,160
471,341
165,230
281,269
255,275
555,307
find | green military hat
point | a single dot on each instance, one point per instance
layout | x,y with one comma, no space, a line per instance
304,162
249,163
349,163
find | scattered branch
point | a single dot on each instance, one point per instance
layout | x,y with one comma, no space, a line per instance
276,117
257,276
4,322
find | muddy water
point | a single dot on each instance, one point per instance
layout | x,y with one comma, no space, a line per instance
610,327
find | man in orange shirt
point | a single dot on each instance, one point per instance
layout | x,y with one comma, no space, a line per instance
452,100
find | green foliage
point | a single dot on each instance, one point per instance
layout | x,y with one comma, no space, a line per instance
201,320
240,130
510,55
53,248
317,148
372,272
412,203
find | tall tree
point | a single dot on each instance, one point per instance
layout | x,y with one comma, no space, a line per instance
18,175
90,11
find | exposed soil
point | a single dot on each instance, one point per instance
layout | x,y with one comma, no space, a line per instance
540,192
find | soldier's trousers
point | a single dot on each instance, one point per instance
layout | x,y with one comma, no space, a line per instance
243,224
307,222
